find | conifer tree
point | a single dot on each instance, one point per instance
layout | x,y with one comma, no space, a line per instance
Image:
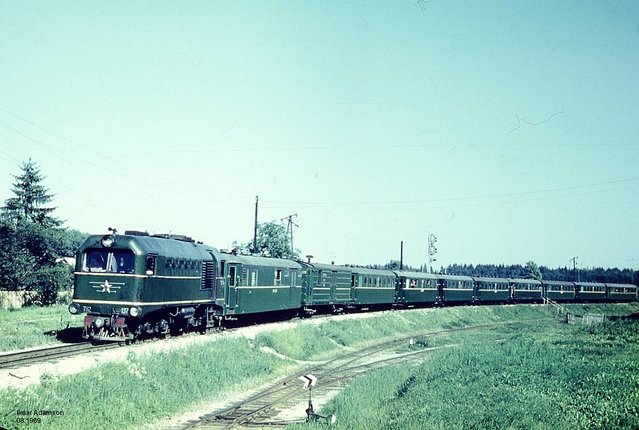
31,198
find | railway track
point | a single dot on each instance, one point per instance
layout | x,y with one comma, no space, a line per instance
23,358
265,408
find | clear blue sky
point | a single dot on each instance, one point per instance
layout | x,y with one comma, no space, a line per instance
510,129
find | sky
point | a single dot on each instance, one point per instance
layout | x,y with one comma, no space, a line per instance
508,129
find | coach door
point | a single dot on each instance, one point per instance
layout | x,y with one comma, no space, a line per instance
400,292
292,290
231,292
333,281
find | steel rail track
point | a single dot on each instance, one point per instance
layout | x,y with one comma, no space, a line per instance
23,358
259,409
32,356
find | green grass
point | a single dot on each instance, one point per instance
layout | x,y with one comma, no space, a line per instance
150,387
545,376
604,308
308,341
34,326
127,394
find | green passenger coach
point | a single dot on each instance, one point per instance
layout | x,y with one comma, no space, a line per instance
260,284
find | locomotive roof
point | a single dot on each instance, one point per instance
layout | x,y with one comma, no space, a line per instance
155,245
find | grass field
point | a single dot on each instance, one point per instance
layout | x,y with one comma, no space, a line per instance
34,326
308,341
149,387
512,377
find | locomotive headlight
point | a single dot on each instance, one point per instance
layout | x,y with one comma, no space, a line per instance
99,322
108,240
134,312
74,309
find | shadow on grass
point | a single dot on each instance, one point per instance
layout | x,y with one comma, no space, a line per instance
67,335
630,317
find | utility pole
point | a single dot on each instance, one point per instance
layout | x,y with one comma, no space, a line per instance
432,250
574,268
257,198
401,255
289,229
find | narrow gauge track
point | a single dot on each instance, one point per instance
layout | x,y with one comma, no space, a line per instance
23,358
260,410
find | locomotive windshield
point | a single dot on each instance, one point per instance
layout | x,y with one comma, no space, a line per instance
112,261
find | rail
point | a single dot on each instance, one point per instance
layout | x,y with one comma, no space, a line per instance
266,409
24,358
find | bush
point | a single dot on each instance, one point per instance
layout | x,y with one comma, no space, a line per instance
28,254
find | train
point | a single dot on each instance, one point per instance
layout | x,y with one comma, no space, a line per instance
137,285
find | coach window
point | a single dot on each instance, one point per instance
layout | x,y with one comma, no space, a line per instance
352,280
278,276
318,281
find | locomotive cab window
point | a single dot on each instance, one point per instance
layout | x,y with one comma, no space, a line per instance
111,261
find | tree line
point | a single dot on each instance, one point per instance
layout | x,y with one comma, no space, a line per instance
596,274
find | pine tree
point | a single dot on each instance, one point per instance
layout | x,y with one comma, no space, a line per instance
31,240
31,198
